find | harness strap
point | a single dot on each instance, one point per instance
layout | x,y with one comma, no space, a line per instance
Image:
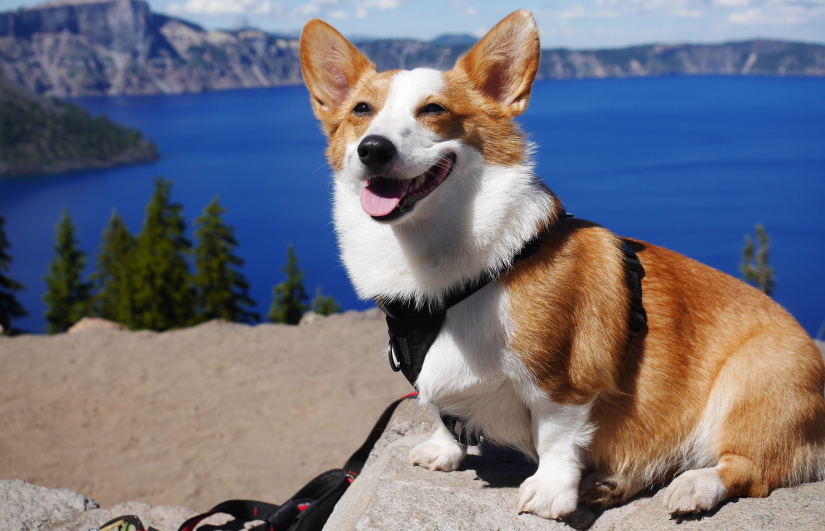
634,273
412,331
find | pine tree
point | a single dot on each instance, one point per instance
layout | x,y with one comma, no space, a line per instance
67,295
222,291
289,297
10,307
754,265
114,271
324,304
163,295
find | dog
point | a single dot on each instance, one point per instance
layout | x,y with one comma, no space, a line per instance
720,394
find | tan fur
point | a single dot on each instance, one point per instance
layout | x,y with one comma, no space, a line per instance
478,118
491,69
714,347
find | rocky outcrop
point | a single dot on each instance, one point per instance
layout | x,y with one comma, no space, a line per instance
94,323
113,47
757,57
483,493
27,507
108,47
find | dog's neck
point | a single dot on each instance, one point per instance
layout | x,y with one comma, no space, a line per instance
477,230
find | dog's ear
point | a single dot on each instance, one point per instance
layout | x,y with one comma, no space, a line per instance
503,64
331,67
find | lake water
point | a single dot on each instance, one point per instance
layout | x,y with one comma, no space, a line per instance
688,163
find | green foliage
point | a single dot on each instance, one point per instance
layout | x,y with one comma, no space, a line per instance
289,297
50,135
324,304
10,307
754,264
114,272
163,295
222,292
67,296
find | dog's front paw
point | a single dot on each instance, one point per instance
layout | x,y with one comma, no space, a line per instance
443,455
695,491
546,498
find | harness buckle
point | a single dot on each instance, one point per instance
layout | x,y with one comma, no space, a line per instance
394,364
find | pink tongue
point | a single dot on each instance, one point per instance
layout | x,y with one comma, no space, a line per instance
381,196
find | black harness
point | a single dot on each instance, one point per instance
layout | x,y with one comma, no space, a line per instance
413,330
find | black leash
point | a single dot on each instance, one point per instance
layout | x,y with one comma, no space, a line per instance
310,507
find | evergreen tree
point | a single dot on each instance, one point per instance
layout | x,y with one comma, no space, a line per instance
289,297
67,296
10,307
163,295
754,265
324,304
113,276
222,291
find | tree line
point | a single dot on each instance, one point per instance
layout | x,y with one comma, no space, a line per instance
145,281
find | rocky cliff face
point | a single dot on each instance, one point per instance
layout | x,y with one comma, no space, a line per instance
112,47
757,57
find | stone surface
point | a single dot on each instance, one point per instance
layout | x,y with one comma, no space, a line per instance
27,507
482,494
162,518
94,323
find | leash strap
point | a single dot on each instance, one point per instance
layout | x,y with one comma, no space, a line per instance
310,507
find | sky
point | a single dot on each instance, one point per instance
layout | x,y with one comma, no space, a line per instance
578,25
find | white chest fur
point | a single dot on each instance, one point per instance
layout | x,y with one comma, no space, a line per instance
470,373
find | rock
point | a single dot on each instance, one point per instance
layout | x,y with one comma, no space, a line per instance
92,323
483,492
27,507
162,518
310,318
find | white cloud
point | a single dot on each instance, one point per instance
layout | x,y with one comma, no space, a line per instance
688,13
382,5
579,11
463,7
779,12
220,7
309,9
339,15
732,3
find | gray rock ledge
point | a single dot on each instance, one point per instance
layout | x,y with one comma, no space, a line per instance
482,495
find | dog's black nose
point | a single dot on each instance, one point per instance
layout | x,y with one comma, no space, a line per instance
376,151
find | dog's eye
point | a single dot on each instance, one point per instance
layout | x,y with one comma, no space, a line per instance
362,108
431,109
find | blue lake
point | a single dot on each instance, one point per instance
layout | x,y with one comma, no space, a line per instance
688,163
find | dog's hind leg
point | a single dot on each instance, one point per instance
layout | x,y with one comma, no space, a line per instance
604,490
766,423
441,452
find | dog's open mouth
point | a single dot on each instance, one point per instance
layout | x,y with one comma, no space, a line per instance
386,199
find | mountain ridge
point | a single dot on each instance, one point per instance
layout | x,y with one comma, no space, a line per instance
75,48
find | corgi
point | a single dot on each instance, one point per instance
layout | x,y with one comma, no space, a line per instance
720,394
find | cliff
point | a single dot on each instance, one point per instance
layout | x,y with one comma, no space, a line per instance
113,47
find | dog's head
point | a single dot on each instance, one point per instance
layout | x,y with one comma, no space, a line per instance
399,138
